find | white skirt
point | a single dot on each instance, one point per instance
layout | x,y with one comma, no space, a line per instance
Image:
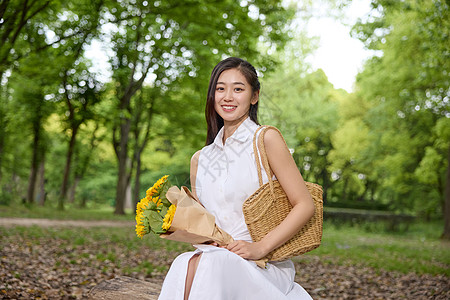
223,275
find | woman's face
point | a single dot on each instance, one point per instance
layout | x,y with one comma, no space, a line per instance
233,96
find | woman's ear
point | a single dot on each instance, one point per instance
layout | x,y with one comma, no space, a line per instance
255,98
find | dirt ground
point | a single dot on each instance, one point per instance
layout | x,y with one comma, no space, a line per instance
50,271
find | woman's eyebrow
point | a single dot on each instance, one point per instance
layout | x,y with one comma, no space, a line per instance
236,82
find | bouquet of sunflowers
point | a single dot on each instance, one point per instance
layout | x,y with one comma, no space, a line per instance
176,215
154,212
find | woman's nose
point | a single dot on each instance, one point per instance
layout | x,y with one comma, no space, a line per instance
228,95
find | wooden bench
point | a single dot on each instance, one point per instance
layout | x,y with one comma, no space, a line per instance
123,287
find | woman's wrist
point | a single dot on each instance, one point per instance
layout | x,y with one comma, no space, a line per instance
264,247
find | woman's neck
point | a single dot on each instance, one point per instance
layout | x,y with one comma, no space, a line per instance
230,127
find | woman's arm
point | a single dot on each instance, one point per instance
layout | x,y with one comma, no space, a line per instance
193,173
287,173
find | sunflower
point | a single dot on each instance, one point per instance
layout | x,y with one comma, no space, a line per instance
157,201
168,218
151,209
142,205
140,230
156,188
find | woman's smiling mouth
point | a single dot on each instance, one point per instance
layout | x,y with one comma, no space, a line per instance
228,107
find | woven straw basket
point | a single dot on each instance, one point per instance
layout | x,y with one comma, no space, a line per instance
269,206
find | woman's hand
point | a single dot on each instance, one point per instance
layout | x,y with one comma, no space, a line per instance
251,251
211,243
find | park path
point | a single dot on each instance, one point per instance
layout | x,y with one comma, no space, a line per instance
8,222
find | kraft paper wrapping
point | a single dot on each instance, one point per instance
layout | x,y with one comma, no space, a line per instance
192,223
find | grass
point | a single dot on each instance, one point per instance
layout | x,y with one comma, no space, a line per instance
84,237
71,212
417,250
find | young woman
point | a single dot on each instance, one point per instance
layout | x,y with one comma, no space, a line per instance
223,176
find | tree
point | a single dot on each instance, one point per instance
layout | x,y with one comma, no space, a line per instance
46,29
83,153
141,127
407,87
169,41
15,17
79,89
303,104
34,107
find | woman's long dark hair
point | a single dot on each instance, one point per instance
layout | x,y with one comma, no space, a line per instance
213,120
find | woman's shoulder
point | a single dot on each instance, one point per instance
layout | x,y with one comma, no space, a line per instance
195,157
274,142
273,135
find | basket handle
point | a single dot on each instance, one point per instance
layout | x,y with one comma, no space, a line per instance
264,159
255,151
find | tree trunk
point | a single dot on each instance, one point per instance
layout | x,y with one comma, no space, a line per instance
2,141
122,182
34,161
83,202
121,148
80,171
73,189
139,148
122,287
3,120
122,176
41,184
2,134
13,189
446,234
66,175
31,184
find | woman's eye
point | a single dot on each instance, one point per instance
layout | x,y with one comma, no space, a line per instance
238,89
219,89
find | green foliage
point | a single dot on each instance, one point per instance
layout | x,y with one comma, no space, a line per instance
303,106
163,53
99,189
403,92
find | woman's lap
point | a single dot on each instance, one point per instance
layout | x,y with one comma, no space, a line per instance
222,274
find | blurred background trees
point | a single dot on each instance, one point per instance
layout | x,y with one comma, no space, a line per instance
69,135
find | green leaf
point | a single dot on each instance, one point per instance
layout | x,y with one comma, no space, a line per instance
164,210
162,193
156,222
152,206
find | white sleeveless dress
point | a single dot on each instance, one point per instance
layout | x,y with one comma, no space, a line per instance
226,176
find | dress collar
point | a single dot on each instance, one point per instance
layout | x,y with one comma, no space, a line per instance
243,133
